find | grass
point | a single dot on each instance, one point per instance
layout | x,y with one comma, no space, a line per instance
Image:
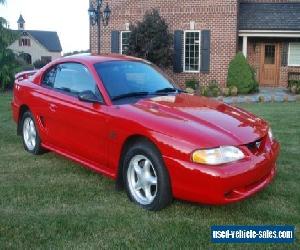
50,202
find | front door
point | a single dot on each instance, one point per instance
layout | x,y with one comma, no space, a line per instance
270,64
76,128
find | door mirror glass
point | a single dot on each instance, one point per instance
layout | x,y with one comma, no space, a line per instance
89,96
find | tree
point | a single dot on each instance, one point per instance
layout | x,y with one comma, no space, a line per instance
8,62
150,39
241,75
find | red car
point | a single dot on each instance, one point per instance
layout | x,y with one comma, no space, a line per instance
120,116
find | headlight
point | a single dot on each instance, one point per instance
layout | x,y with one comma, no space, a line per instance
217,156
270,133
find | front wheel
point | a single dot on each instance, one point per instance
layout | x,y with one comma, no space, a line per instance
30,136
146,178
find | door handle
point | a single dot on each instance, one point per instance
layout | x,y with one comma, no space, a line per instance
52,107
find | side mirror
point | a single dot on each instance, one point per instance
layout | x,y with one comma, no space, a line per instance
89,96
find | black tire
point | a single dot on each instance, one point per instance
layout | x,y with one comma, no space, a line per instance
37,149
163,195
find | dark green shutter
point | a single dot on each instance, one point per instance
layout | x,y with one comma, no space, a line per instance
178,51
284,54
115,42
205,51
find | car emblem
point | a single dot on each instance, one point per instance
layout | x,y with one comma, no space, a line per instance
257,144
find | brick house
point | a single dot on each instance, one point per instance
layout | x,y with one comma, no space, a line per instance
208,34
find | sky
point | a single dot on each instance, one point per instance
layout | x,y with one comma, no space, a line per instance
68,18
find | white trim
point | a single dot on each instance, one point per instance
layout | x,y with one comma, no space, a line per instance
121,40
269,33
289,58
245,46
191,71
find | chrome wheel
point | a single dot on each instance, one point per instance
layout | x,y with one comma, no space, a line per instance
142,179
29,133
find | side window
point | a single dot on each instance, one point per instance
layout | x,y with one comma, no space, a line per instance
49,78
71,78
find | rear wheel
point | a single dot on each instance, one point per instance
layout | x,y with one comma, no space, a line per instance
30,136
146,178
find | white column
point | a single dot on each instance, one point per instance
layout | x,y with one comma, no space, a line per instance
245,45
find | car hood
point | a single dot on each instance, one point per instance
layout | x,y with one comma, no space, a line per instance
200,120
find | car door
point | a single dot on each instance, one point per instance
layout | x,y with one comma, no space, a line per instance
74,127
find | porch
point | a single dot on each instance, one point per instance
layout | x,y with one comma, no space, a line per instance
269,37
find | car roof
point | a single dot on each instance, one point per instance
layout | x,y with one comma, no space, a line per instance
92,58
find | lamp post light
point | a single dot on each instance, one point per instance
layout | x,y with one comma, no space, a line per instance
97,16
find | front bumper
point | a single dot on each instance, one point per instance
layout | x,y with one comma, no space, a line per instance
224,184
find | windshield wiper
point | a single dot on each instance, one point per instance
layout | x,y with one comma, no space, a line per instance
168,90
132,94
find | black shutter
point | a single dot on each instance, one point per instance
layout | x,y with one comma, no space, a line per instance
205,51
178,51
115,42
284,54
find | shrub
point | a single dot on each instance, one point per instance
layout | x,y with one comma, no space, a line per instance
193,84
8,68
225,91
233,90
212,89
8,63
190,90
294,86
38,64
151,39
241,75
261,98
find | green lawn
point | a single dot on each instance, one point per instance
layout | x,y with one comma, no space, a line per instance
50,202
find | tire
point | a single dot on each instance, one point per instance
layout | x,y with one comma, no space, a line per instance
145,177
30,137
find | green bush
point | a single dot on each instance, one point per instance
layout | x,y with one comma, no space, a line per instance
151,39
8,62
192,83
38,64
211,90
294,86
233,90
241,75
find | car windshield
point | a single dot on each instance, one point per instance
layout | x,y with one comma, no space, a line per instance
125,79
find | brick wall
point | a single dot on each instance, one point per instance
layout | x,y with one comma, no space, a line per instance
220,16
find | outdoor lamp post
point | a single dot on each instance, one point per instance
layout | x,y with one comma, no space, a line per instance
97,16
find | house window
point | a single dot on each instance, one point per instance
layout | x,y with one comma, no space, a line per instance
294,54
192,51
124,40
24,42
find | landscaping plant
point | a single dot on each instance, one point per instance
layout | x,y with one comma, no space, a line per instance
294,86
241,75
151,39
192,83
8,62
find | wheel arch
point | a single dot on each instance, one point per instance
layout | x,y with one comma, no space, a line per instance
23,108
130,140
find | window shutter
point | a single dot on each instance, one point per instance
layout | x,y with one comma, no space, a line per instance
178,51
284,54
115,42
205,51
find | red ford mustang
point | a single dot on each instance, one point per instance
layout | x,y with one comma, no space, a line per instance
120,116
